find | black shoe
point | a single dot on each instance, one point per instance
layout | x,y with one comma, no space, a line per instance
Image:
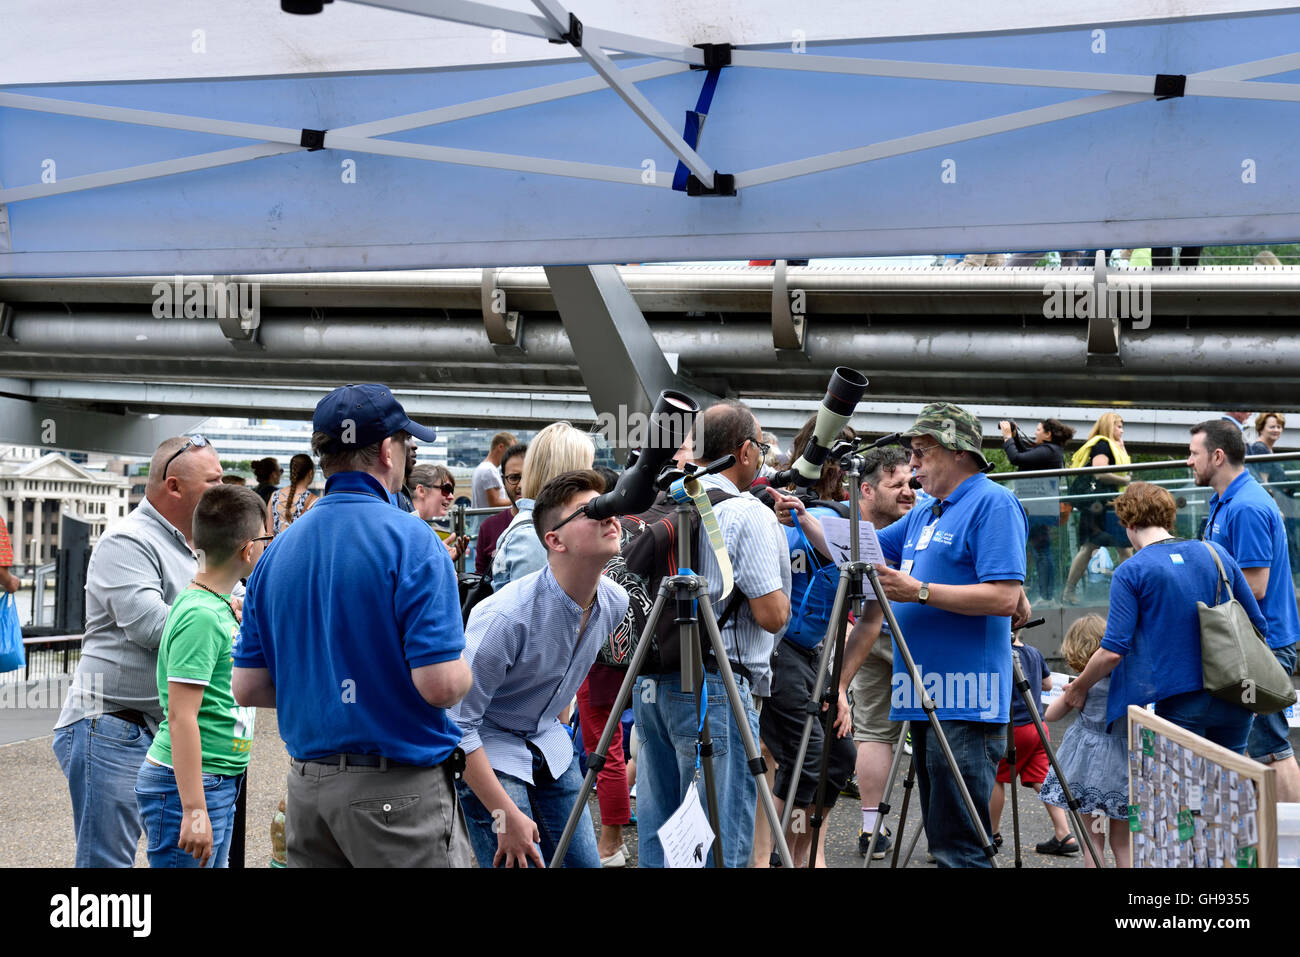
1067,845
997,839
884,841
850,788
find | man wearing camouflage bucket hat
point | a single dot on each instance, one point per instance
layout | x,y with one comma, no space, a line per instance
956,591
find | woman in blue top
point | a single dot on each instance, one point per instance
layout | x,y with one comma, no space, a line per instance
1153,635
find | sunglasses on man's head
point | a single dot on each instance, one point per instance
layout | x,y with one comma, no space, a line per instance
195,441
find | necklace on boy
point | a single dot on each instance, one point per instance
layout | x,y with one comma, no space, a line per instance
219,595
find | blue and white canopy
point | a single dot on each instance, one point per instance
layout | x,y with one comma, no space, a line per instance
229,137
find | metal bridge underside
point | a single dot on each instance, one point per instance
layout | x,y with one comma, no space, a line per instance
467,340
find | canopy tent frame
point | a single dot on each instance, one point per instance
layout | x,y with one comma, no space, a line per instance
1237,82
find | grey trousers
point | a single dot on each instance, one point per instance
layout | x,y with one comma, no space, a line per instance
367,817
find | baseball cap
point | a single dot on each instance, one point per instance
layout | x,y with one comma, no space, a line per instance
361,415
953,427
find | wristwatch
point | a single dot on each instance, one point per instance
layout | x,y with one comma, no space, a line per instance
924,594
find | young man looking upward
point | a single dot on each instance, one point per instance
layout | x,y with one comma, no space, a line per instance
530,646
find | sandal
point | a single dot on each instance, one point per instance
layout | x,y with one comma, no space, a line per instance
1062,846
1069,598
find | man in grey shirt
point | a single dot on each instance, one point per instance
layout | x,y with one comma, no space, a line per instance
112,713
486,490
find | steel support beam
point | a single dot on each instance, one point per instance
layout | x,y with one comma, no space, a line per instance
622,366
23,422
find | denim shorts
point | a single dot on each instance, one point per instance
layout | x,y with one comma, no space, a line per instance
1270,735
160,807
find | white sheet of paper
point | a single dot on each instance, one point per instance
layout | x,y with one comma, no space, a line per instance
836,531
686,836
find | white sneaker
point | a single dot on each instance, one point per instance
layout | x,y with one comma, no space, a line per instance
617,859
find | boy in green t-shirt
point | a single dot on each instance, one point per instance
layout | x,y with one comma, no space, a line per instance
188,783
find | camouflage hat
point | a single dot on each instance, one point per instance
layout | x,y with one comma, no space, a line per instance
953,427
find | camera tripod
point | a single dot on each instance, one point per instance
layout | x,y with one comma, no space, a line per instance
850,591
1021,683
1072,803
688,592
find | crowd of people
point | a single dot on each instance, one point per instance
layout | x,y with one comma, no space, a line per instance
424,733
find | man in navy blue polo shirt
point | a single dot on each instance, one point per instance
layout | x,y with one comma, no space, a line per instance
1245,520
956,593
352,632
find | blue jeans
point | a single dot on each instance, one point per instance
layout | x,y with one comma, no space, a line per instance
100,756
1270,735
977,747
160,807
547,804
667,722
1199,712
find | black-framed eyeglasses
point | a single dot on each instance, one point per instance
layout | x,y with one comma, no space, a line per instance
763,447
262,538
582,510
514,478
195,441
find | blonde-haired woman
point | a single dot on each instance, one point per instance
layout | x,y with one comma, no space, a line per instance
1098,527
558,448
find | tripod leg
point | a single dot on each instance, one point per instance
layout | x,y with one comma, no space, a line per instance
597,759
927,704
710,784
1015,801
883,807
755,760
908,783
838,612
839,622
912,845
1072,803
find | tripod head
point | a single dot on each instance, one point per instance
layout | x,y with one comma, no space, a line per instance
850,455
673,473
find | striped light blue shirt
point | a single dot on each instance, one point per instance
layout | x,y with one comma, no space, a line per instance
760,564
528,660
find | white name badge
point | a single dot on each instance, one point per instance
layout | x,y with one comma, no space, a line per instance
927,533
906,567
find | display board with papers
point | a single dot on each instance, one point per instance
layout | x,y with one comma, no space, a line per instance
1193,803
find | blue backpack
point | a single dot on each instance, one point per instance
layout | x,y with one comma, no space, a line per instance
811,604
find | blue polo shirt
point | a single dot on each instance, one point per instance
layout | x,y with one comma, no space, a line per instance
1245,520
964,660
1153,621
345,602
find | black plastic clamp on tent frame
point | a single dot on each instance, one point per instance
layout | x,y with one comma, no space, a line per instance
574,36
1170,85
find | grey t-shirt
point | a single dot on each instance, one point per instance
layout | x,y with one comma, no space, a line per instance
486,477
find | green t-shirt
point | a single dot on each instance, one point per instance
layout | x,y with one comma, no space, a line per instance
196,648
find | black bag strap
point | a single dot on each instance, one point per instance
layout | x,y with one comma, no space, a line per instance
733,603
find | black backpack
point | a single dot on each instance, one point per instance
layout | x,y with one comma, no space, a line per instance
648,556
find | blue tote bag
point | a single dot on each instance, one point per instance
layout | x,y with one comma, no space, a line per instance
11,636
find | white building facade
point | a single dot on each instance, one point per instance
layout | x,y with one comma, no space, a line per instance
36,493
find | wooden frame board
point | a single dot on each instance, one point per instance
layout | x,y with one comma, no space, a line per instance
1178,776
